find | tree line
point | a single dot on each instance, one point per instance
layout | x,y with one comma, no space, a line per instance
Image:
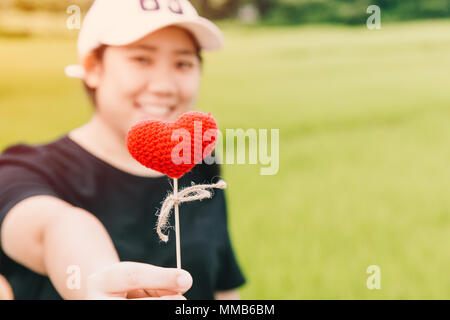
284,11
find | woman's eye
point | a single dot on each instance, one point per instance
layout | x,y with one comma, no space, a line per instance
185,65
142,60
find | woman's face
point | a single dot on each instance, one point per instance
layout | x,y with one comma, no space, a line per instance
157,77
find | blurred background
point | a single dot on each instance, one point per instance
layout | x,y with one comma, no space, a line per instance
363,115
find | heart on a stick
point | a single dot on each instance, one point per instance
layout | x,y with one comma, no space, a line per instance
173,148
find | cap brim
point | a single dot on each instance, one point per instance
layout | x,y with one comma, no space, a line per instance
207,33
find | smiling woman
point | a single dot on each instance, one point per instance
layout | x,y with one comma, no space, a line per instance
83,201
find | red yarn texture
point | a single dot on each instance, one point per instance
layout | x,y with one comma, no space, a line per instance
150,142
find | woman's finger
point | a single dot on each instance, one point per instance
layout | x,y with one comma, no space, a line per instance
147,293
129,276
172,297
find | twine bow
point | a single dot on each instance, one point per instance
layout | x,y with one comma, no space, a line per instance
188,194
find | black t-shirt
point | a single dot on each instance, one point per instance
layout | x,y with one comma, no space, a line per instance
126,205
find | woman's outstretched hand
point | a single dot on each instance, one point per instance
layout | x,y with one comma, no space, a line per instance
133,280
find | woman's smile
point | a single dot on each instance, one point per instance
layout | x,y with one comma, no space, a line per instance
155,110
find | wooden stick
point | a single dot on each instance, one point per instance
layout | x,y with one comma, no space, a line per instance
177,223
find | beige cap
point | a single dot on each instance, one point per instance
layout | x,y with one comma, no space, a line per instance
121,22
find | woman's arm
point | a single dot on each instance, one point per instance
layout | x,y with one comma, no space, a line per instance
48,235
51,237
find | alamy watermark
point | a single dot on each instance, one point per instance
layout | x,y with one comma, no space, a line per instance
374,20
74,20
229,149
374,280
73,281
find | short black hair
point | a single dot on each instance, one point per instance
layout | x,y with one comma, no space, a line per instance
91,92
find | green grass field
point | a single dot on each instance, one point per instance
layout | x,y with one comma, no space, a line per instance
364,173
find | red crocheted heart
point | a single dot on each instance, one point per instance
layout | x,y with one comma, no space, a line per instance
173,148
